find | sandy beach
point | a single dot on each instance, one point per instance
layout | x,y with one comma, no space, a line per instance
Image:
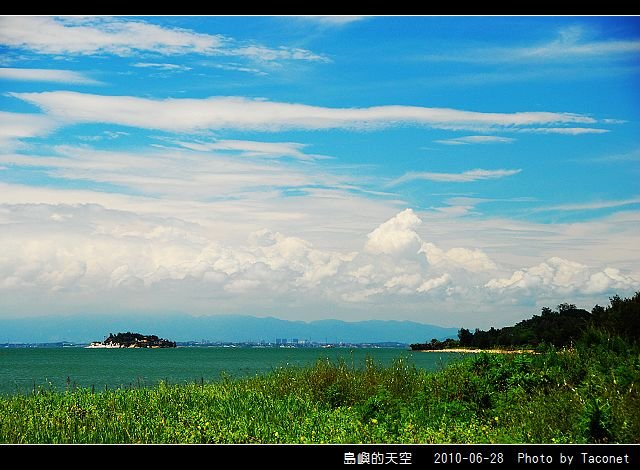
491,351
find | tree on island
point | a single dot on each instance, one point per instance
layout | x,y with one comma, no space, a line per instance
136,340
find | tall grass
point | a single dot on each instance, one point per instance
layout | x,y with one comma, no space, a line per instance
589,394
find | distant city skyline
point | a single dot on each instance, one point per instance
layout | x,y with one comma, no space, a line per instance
453,171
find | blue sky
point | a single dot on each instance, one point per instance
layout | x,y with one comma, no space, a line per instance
460,171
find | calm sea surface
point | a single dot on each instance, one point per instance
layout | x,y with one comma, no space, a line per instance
22,369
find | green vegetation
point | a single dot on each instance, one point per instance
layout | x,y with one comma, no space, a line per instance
136,340
560,328
589,393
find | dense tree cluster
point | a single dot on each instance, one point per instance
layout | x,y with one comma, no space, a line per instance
560,327
136,340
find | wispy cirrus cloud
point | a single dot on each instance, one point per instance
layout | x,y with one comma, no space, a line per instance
476,139
16,126
235,67
464,177
223,112
251,148
595,205
199,171
266,54
570,43
127,37
101,35
565,130
333,20
46,75
632,156
162,66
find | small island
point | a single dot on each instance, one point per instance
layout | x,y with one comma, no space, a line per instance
133,340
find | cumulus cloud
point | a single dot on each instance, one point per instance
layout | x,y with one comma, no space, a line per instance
610,279
86,253
395,235
90,250
470,260
559,274
434,283
405,282
220,112
404,263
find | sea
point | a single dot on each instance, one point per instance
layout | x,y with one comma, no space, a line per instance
25,370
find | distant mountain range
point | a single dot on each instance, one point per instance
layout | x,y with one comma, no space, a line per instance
232,328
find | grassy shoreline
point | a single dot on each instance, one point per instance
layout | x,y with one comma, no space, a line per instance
589,394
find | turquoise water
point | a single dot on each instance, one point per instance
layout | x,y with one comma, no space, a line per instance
22,369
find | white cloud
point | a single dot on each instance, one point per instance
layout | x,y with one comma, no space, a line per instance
229,195
470,260
631,156
162,66
608,280
476,139
173,173
16,126
565,130
434,283
88,254
406,282
570,44
107,35
464,177
396,235
333,20
595,205
361,296
104,135
239,68
193,115
46,75
49,35
564,276
251,148
265,54
88,248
